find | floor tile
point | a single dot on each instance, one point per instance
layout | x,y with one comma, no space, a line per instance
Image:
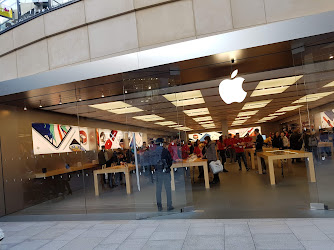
132,244
107,247
239,243
237,230
276,241
50,234
30,244
164,244
168,236
204,242
206,231
318,245
116,237
142,233
105,226
127,227
66,224
82,244
172,228
94,233
270,229
207,224
308,233
14,239
54,245
71,234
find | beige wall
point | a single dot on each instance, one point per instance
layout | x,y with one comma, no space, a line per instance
94,29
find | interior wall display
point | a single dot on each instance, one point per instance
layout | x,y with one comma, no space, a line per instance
139,139
243,131
200,136
111,139
327,119
87,138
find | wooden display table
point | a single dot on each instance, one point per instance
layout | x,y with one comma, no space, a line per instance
251,151
187,163
325,145
65,170
116,169
270,156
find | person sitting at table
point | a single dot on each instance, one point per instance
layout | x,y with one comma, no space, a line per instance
162,160
259,148
239,146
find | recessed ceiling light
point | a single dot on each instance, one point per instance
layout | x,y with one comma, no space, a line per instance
196,112
202,119
184,128
118,107
242,118
331,84
290,108
274,86
331,57
277,114
256,105
185,98
207,122
175,126
149,118
166,123
313,97
209,126
247,113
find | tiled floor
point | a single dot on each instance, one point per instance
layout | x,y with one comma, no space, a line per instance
171,234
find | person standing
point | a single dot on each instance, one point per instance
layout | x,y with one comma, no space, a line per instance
222,151
296,142
277,141
173,149
259,148
211,155
104,163
239,146
162,160
230,148
285,141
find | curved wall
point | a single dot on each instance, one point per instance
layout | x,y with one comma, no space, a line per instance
91,30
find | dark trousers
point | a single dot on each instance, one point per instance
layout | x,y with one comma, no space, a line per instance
243,157
232,154
263,163
163,178
222,154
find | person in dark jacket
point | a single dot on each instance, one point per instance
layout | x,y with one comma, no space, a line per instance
162,160
277,141
259,148
296,142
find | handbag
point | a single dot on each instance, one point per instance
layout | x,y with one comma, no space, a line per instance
216,167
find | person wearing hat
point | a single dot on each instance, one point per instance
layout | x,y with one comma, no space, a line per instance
162,160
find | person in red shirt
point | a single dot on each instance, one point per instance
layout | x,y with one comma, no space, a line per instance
239,146
248,141
185,150
174,149
222,151
230,147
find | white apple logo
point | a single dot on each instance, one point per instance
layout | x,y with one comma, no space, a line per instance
231,90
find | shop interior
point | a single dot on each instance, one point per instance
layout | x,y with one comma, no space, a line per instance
51,138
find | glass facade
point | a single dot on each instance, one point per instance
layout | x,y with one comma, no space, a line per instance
96,146
15,12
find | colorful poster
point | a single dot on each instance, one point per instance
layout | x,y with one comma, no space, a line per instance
243,131
139,139
200,136
87,138
55,138
111,139
327,119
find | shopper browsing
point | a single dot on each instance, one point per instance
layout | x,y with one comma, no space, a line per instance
259,148
239,146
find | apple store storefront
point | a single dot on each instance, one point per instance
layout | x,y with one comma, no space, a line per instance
145,142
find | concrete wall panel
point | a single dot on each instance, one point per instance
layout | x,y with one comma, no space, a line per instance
65,18
68,48
212,16
99,9
164,23
8,69
6,42
32,59
29,32
248,13
113,36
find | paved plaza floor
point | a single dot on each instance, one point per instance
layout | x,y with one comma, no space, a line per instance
171,234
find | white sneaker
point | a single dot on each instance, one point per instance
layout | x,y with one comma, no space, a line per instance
2,235
323,158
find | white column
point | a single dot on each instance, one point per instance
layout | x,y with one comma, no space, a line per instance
224,127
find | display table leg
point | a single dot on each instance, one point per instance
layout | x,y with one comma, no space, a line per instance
253,160
96,185
206,175
127,182
259,165
172,178
311,168
271,172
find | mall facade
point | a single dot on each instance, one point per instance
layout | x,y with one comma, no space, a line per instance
80,76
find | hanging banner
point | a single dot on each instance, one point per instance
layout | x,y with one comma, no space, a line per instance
6,12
